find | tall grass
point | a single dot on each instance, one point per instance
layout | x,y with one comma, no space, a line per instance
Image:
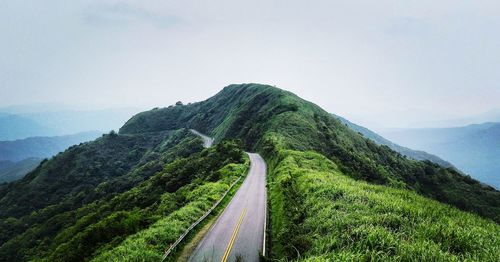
319,214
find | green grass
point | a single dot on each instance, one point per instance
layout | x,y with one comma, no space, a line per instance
320,214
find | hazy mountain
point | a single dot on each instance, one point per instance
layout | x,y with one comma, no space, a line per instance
415,154
15,127
42,147
19,124
35,107
474,149
72,121
19,157
489,116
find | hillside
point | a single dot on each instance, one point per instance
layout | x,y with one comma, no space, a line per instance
414,154
265,117
42,147
128,196
475,149
173,183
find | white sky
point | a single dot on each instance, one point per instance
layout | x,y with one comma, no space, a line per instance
379,63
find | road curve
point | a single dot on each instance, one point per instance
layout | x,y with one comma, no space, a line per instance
207,141
239,230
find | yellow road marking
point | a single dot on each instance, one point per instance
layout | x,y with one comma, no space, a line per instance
233,236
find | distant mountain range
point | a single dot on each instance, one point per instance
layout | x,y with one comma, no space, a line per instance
19,124
42,147
475,149
19,157
15,127
415,154
490,116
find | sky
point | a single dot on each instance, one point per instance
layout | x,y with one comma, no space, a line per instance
378,63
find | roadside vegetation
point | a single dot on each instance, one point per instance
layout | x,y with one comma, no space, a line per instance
320,214
150,244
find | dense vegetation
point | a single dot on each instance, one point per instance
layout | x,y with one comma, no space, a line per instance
334,194
167,193
265,117
214,173
320,214
33,208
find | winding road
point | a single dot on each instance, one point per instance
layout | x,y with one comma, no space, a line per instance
239,232
207,141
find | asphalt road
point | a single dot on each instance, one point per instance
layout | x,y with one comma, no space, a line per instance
239,230
207,141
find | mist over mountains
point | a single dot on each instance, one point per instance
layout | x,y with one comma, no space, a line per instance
474,149
16,123
30,133
42,147
414,154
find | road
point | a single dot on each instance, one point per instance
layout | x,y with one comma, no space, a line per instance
207,141
239,230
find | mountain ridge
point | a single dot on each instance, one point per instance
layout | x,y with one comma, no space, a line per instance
42,146
473,148
131,194
415,154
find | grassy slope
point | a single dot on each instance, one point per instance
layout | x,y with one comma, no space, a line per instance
318,213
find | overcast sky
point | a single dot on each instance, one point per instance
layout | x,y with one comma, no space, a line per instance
380,63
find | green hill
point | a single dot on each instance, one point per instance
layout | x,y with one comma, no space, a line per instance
265,117
87,200
333,194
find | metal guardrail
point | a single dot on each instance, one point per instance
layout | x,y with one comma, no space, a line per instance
178,241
